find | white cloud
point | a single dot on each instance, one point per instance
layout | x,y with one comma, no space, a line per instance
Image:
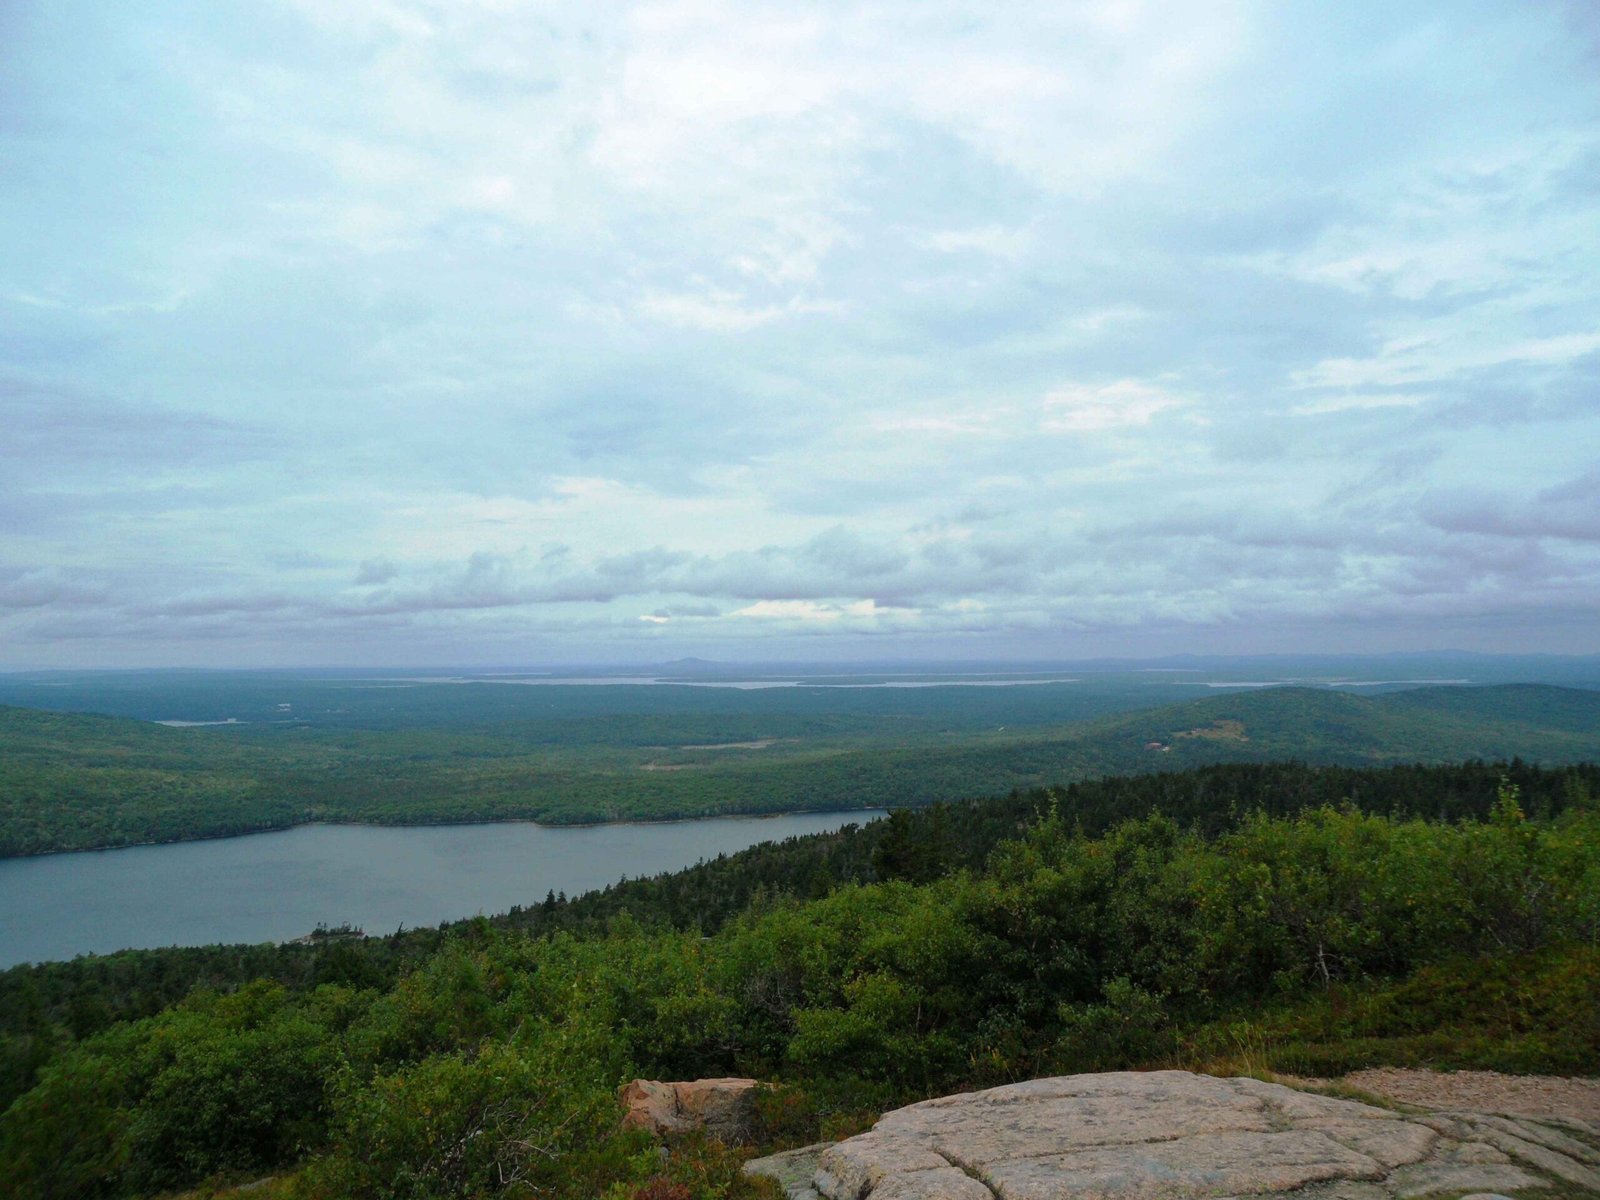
1479,220
720,311
1443,355
1355,401
1080,408
806,610
995,240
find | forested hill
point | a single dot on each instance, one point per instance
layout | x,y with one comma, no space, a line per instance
913,845
1230,918
74,781
1534,721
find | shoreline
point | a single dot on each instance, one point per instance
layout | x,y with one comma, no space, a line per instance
764,814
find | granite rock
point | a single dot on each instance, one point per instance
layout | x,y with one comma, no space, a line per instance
721,1108
1173,1135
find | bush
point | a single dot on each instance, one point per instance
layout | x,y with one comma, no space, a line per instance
1130,1028
506,1120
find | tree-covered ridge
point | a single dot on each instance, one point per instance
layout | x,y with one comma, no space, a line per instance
350,701
86,993
484,1063
78,781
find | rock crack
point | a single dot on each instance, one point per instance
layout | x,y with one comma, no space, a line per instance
1172,1135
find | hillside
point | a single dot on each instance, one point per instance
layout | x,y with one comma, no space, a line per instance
945,950
78,781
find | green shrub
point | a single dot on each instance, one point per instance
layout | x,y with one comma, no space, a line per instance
505,1120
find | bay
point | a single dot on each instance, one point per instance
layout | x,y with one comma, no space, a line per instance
277,886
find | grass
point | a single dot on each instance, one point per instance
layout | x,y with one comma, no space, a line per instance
1521,1014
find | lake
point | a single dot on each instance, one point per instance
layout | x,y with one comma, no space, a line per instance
276,886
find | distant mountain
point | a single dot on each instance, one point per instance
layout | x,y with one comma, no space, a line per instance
695,666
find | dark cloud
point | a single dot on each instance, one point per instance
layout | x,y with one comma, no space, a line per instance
46,587
688,610
1569,512
376,570
301,560
54,428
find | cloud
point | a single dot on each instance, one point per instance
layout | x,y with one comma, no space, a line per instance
1569,512
376,570
416,330
687,611
1350,401
1079,409
47,587
720,310
805,610
51,426
1425,359
993,240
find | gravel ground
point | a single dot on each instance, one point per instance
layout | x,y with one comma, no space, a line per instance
1484,1091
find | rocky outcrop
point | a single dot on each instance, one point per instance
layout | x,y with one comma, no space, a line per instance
1172,1135
721,1108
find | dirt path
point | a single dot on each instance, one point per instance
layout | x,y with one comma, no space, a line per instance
1485,1091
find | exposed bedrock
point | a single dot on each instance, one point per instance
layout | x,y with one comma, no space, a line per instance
1172,1135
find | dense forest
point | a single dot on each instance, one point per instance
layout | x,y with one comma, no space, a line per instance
80,781
1294,917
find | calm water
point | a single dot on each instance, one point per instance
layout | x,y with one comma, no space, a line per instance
275,886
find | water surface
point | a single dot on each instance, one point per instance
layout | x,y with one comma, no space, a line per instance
276,886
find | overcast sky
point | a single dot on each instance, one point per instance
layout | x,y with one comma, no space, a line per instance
401,332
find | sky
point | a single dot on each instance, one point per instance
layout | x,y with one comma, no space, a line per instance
477,332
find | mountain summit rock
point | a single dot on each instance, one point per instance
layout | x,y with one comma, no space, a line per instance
1173,1135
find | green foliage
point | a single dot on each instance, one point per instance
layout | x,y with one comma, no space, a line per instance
918,852
76,781
45,1006
1205,927
1129,1027
1537,1012
66,1137
217,1085
230,1088
698,1169
506,1118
